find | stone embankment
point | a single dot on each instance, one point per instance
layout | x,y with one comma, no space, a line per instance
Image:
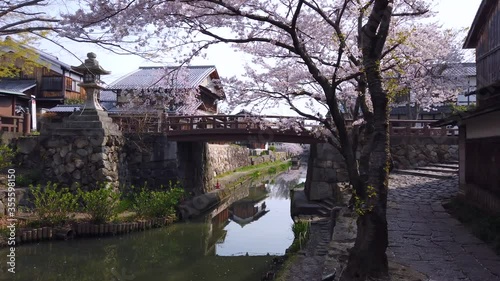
71,159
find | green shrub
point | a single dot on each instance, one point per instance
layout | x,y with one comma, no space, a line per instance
125,204
272,170
53,205
157,203
101,204
29,177
272,148
264,152
301,233
6,156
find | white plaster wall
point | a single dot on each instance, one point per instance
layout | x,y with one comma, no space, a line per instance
483,126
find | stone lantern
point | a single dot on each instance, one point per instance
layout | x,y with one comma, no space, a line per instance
92,84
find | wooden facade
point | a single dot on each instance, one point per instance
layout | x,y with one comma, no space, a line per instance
479,138
484,36
55,81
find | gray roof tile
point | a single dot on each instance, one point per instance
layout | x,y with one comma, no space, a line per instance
164,77
458,69
18,86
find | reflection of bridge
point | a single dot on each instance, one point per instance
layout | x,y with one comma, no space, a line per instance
257,128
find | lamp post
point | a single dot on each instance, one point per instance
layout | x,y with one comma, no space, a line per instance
92,84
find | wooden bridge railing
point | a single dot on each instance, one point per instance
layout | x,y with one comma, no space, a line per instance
418,128
184,124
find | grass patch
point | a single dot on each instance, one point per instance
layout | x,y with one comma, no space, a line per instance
483,225
301,235
282,165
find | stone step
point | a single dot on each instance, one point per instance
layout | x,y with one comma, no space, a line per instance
330,202
437,169
323,212
325,205
85,118
451,162
450,166
428,174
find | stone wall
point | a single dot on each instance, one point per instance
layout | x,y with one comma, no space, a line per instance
326,168
409,152
151,158
273,156
84,159
226,158
132,159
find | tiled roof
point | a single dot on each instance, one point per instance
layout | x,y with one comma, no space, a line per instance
107,95
164,77
44,58
460,69
17,86
65,108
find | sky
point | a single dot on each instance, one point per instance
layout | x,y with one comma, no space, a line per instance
451,13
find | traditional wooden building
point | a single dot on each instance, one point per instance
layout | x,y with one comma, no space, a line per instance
479,137
49,81
202,81
33,80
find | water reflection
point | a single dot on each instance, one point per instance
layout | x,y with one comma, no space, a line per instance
256,221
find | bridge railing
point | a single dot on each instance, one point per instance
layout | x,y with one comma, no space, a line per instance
177,124
205,122
399,127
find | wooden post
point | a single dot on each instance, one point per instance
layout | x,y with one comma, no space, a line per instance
27,124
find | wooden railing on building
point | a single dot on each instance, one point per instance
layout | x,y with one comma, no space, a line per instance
15,124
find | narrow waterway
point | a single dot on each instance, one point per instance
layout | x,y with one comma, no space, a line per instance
230,243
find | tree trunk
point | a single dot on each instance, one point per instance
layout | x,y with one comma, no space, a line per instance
368,256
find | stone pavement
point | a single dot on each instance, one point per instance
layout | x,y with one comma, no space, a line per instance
309,263
425,237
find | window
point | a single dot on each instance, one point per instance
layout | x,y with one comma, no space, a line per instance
52,83
75,86
72,85
69,84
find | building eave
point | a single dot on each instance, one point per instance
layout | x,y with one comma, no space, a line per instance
482,16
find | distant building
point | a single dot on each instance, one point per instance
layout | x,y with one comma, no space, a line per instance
463,73
202,80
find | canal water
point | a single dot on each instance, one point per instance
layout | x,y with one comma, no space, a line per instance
234,242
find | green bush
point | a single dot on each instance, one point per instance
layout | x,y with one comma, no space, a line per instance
53,205
157,203
125,204
272,148
101,204
29,177
6,156
264,152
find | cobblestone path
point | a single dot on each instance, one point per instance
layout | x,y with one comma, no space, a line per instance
425,237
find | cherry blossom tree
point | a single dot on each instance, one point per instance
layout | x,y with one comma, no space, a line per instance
24,17
324,52
292,148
